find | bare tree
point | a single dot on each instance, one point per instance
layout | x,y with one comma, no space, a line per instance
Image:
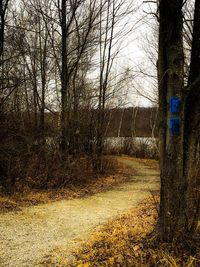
3,10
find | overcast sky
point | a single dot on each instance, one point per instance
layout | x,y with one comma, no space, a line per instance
133,53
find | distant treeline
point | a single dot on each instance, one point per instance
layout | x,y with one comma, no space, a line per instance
120,122
137,121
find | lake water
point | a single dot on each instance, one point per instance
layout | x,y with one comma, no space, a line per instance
118,142
115,144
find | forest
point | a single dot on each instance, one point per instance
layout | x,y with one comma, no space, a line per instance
99,133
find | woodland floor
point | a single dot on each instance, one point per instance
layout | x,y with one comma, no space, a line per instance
29,235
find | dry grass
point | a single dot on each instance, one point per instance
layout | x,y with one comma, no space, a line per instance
151,163
127,241
114,174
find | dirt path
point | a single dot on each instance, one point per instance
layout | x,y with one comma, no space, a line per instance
27,236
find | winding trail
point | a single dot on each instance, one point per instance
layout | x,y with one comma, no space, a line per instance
27,236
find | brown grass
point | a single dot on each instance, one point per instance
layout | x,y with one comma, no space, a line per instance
127,241
114,174
151,163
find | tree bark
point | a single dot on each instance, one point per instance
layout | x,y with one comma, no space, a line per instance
170,78
64,77
192,128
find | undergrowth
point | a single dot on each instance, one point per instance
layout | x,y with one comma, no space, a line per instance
81,183
128,242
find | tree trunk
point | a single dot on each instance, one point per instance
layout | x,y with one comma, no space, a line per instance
170,77
192,128
64,77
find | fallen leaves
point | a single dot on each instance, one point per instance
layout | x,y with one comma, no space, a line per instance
118,243
126,242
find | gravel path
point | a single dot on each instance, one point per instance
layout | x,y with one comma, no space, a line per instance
27,236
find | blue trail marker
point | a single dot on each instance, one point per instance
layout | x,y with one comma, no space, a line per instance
175,125
175,104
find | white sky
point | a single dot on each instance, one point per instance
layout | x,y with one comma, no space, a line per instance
133,54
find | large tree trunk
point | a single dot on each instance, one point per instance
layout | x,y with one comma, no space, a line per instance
170,77
192,128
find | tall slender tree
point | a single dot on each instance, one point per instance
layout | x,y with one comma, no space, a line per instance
3,9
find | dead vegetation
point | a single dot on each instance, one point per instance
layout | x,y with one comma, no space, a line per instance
81,183
151,163
128,241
